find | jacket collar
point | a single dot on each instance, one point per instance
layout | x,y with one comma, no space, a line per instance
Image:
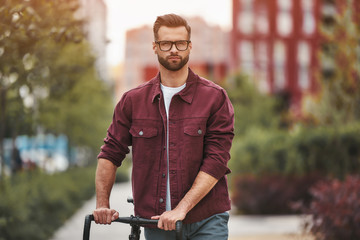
187,94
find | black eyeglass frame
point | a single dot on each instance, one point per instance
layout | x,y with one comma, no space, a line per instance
172,43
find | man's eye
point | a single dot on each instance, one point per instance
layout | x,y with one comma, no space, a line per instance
165,44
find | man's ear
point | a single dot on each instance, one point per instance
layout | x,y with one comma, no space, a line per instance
154,47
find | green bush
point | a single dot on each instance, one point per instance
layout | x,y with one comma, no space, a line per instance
253,108
276,162
33,204
331,152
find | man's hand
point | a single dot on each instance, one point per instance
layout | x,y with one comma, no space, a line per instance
202,185
105,215
168,219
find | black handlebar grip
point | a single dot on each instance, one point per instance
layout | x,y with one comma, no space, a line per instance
178,230
90,217
87,225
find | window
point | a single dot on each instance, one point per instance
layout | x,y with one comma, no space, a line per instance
246,22
262,22
246,17
308,17
261,73
246,53
262,51
284,18
285,5
303,59
247,5
279,65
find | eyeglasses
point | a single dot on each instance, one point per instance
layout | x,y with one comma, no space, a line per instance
181,45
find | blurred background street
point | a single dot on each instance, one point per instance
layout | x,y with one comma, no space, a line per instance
291,69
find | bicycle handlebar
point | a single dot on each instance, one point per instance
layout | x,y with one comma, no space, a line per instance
132,221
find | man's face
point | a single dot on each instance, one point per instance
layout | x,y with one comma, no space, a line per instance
172,59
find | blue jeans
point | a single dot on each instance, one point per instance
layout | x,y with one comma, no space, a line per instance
214,228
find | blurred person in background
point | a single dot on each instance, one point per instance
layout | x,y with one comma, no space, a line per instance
180,127
17,165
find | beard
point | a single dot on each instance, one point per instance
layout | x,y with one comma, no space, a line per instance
172,65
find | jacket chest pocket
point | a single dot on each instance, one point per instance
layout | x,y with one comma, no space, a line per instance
194,141
146,144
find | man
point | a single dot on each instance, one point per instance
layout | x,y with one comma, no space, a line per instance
180,127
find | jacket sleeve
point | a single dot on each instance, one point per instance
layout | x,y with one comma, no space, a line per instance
218,138
118,139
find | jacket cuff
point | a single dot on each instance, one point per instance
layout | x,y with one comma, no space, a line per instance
214,168
112,159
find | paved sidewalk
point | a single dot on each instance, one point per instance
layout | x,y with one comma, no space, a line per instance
240,227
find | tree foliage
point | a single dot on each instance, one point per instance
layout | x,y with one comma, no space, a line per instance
78,104
339,78
33,204
47,74
253,109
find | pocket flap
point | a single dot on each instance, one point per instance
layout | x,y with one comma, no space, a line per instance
194,131
144,132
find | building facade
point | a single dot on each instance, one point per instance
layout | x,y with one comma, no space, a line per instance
276,43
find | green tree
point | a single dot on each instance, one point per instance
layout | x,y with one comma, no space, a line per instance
44,58
78,103
254,109
339,78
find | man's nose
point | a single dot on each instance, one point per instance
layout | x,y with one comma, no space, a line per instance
173,48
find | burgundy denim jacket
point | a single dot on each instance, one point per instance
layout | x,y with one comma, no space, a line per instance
201,124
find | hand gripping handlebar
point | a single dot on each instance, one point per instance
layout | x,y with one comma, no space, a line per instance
133,221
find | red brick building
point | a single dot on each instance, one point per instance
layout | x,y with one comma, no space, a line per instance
276,42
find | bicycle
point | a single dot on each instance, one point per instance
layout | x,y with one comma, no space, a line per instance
135,223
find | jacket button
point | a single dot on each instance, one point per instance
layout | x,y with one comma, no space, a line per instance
163,175
161,200
141,133
199,132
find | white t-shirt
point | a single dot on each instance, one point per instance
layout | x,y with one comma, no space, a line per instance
168,93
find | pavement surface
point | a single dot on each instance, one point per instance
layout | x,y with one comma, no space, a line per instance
240,227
